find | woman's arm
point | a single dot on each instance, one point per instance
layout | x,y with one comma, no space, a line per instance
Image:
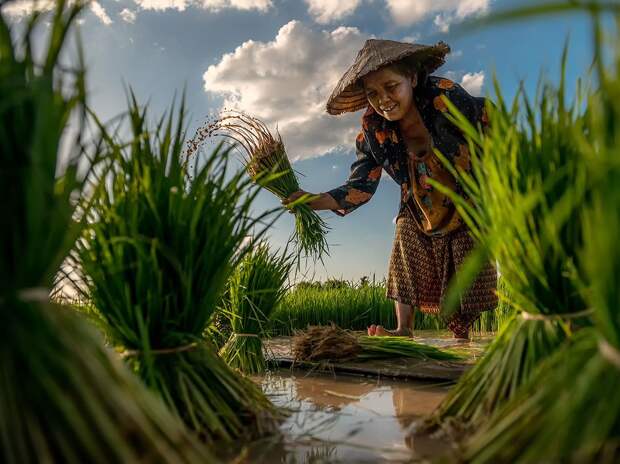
356,191
324,200
362,182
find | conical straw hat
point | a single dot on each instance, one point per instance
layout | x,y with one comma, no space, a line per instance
349,95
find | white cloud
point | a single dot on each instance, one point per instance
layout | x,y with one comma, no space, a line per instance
450,75
411,38
212,5
260,5
442,22
470,7
473,82
100,12
286,82
161,5
407,12
327,11
26,7
129,16
20,9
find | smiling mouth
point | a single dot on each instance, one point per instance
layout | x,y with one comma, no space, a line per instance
387,109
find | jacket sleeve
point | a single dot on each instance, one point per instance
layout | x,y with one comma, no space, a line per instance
363,180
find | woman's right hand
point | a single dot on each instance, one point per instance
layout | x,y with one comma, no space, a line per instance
295,196
321,200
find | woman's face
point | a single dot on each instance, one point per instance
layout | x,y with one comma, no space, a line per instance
389,93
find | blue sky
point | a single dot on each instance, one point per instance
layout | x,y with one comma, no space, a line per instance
279,60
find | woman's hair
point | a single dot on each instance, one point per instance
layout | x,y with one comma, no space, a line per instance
409,66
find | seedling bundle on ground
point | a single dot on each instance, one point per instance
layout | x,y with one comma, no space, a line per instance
268,165
161,244
256,286
64,397
331,343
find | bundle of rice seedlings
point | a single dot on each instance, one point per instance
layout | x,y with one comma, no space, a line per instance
67,398
525,213
255,288
570,409
64,397
268,165
162,242
331,343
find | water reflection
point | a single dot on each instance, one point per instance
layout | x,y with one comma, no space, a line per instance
347,419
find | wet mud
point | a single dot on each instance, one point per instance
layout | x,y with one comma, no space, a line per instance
348,419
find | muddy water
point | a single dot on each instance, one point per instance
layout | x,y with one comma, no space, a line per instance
348,419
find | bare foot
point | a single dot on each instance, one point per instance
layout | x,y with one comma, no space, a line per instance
461,336
371,330
380,331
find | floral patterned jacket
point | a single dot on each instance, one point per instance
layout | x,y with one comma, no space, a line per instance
379,147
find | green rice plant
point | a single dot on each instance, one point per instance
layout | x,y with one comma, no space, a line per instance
356,308
219,329
566,412
523,201
351,308
268,165
570,410
255,288
162,242
391,347
67,398
64,397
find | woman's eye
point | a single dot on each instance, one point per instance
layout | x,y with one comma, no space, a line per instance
392,86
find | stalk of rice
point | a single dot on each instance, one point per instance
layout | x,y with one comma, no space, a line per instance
268,165
525,213
331,343
64,397
570,410
163,240
255,288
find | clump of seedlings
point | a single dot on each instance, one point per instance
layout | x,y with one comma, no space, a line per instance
528,188
569,411
268,165
255,288
161,244
64,397
331,343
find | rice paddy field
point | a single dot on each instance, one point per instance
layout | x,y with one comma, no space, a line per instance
356,306
188,343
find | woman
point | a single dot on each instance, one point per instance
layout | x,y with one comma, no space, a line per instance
403,124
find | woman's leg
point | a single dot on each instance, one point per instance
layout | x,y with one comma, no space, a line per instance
404,322
482,294
459,326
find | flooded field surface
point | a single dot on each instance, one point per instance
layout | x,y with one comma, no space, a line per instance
279,349
348,419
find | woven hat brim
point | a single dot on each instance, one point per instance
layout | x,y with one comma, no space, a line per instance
348,96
